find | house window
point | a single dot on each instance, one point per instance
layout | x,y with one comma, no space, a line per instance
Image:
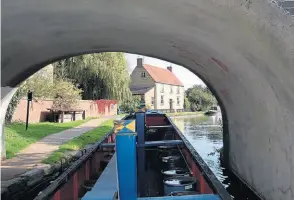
162,100
178,90
152,100
143,74
162,89
171,89
178,100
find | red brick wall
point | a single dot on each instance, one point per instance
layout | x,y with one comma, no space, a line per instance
38,110
91,109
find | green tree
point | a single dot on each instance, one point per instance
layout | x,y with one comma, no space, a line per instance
66,95
194,107
39,83
129,105
187,105
200,97
12,106
100,76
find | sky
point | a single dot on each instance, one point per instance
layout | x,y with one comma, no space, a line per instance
186,77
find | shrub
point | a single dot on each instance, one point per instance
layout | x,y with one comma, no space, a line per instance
66,94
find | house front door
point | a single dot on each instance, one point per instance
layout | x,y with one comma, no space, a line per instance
171,104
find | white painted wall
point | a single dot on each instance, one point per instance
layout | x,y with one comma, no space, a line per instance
167,95
148,98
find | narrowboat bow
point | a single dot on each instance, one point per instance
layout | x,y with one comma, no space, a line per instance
145,157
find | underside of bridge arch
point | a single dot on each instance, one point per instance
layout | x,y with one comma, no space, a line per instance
242,49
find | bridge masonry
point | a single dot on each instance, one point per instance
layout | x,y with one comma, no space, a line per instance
288,6
6,95
243,50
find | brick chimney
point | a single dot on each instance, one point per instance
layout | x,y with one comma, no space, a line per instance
140,62
170,68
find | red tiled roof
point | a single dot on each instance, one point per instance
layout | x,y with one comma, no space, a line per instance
162,75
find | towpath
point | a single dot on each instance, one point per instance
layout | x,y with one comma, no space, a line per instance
32,156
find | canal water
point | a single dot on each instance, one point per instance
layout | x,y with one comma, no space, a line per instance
206,136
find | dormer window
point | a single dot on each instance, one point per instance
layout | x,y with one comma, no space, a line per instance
143,74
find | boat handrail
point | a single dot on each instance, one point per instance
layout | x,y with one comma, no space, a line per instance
164,126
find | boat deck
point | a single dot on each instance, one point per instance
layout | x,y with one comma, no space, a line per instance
106,186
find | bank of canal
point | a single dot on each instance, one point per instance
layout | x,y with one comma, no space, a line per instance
206,136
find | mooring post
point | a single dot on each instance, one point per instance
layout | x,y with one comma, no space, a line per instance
126,159
30,97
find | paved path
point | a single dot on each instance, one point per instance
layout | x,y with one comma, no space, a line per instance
32,156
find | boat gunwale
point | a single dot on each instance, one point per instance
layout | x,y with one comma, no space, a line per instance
206,171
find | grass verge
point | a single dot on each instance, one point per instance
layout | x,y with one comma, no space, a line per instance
17,138
80,142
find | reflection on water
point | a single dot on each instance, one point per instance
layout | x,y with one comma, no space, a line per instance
205,134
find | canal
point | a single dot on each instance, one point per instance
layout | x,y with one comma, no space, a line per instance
206,136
